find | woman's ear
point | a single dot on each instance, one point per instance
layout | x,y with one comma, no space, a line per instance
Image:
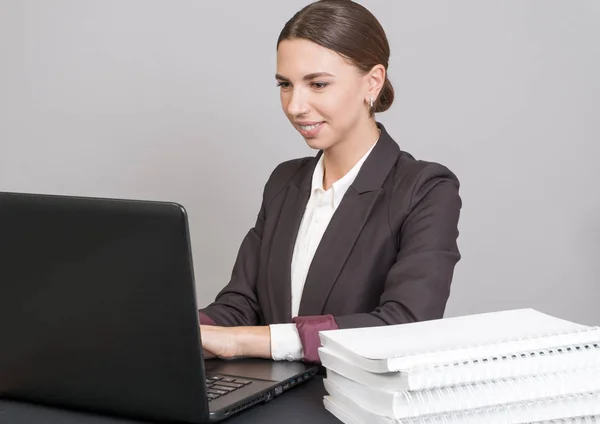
375,80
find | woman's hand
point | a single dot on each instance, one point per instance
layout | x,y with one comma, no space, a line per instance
231,342
208,355
220,341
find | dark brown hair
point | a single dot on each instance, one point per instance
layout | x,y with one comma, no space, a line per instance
348,29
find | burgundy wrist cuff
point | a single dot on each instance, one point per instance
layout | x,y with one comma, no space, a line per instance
308,330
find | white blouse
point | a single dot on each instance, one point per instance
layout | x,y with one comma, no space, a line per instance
285,341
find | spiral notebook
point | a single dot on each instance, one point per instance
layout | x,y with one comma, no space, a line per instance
463,397
467,339
553,360
580,408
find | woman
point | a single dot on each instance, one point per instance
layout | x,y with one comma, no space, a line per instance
360,235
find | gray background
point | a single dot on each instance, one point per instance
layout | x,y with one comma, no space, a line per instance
176,100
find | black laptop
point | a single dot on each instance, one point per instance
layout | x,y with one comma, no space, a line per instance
98,312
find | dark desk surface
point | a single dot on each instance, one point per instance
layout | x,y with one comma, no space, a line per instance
301,405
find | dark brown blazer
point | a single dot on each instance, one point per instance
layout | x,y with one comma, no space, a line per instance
387,256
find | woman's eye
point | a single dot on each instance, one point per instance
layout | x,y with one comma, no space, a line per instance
320,85
283,84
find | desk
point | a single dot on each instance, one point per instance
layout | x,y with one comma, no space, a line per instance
299,406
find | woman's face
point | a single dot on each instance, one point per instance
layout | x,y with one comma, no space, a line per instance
322,94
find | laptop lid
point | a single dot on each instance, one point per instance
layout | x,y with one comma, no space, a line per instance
98,307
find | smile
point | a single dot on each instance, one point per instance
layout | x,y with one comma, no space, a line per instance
309,127
310,131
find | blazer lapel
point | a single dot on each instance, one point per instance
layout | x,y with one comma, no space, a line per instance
334,248
282,247
346,225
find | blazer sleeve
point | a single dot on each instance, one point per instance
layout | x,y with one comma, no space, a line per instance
417,286
237,303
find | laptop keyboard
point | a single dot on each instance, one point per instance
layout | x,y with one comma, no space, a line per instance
219,385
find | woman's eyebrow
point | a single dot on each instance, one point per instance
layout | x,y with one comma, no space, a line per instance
307,77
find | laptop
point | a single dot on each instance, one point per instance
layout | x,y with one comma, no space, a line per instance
98,313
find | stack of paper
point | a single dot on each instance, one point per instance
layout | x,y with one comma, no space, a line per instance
516,366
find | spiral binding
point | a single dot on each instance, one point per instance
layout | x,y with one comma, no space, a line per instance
482,394
586,355
585,405
508,340
576,409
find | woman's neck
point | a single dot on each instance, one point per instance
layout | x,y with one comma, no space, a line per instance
341,158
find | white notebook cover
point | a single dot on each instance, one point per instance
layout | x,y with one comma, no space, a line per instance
398,347
583,408
564,358
456,398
